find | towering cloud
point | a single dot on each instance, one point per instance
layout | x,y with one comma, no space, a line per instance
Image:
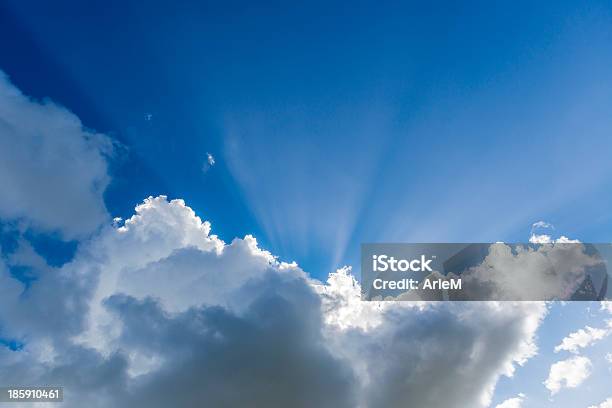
158,312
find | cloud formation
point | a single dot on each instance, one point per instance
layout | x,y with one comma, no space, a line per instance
582,338
157,311
53,171
540,234
568,373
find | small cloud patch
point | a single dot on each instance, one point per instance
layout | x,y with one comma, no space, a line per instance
209,162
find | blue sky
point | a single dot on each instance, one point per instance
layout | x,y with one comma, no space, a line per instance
335,125
330,125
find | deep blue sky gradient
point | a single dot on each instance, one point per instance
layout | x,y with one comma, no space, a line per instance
334,124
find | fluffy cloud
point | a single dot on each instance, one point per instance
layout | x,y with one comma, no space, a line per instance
568,373
157,311
540,234
515,402
582,338
53,172
606,404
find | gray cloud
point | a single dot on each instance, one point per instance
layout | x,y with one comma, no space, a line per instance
51,306
450,356
272,355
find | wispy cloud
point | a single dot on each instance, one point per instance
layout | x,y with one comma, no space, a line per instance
582,338
208,162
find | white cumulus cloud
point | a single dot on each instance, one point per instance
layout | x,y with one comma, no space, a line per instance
53,171
568,373
582,338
